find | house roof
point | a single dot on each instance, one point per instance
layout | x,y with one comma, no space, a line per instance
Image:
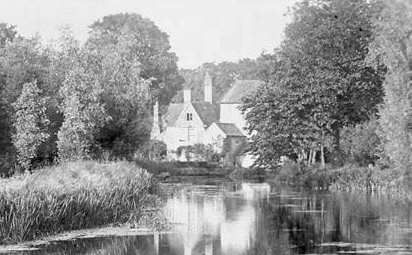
173,112
207,112
240,89
230,129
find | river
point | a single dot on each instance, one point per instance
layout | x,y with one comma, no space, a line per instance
228,218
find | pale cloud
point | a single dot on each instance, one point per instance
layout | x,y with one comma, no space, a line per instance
200,31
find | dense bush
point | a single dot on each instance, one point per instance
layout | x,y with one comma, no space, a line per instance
71,196
199,152
310,176
152,150
361,143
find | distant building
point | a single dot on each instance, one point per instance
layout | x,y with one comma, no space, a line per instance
205,122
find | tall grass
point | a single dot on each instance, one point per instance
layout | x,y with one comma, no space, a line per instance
71,196
352,178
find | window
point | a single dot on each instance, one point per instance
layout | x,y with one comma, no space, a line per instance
189,116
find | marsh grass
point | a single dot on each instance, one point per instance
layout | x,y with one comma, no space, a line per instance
352,178
71,196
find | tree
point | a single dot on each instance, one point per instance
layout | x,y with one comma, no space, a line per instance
7,34
146,44
318,81
22,61
83,115
327,45
361,143
126,96
393,46
30,124
223,75
131,58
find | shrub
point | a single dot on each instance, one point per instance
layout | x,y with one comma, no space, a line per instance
199,152
71,196
152,150
361,143
30,123
310,176
8,165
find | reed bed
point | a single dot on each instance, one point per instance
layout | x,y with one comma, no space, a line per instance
71,196
390,182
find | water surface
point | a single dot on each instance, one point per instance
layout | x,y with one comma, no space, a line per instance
245,218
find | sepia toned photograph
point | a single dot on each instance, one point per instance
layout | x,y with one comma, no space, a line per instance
205,127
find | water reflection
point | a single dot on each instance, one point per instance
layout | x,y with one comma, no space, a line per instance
204,215
234,219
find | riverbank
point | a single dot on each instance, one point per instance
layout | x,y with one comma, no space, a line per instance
364,179
102,232
349,178
166,169
70,196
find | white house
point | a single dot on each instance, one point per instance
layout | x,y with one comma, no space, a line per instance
231,102
190,123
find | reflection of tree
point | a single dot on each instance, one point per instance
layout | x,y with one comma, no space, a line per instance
289,226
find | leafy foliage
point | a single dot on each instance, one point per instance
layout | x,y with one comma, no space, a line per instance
7,34
361,143
21,61
199,152
393,46
152,150
131,58
223,74
30,124
143,42
83,115
317,82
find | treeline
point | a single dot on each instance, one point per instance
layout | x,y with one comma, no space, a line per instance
77,100
337,88
223,75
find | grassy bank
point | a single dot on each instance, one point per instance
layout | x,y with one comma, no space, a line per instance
346,178
174,168
71,196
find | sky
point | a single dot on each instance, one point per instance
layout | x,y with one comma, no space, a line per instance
200,30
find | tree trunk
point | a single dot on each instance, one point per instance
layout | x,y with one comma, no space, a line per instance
322,152
337,154
310,156
313,161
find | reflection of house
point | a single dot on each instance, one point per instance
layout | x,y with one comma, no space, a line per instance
190,123
206,223
195,218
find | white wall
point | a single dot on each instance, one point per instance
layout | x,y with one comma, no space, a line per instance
184,132
230,113
174,137
214,136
